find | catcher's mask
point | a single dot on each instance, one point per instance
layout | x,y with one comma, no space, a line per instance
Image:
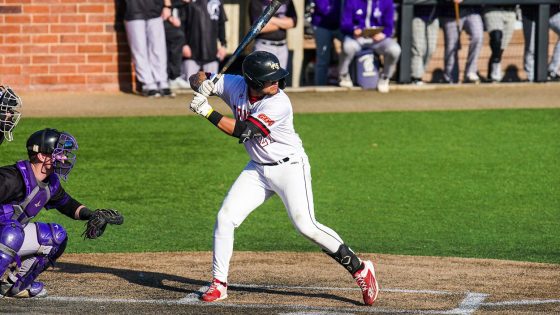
10,105
260,67
59,145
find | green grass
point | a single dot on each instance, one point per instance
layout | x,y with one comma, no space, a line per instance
463,183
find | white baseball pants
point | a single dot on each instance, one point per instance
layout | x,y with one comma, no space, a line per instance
292,182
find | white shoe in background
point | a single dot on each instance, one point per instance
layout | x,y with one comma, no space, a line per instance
346,81
383,85
179,83
496,72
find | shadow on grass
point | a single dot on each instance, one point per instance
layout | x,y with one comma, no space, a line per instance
157,279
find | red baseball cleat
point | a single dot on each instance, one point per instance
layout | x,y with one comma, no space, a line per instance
216,292
367,282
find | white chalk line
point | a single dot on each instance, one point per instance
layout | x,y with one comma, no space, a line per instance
472,301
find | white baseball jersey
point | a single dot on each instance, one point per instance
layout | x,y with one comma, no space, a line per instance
290,180
272,114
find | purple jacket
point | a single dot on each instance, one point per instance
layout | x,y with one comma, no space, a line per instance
326,14
355,11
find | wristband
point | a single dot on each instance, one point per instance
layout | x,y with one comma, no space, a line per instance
214,117
85,213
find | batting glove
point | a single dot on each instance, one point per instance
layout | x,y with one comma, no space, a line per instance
206,88
200,105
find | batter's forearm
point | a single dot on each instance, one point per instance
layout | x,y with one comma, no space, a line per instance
225,124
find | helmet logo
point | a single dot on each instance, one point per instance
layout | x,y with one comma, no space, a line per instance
275,66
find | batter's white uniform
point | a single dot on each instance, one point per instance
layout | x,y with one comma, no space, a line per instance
290,178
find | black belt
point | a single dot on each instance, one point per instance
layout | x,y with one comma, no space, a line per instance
273,43
284,160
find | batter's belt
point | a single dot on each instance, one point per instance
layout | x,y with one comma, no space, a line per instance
282,161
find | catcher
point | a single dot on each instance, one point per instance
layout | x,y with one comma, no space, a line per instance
29,248
10,104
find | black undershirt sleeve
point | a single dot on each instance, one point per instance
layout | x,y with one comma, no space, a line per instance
12,186
69,208
67,205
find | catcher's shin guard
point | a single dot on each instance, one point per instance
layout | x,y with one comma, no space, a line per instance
49,235
11,240
346,257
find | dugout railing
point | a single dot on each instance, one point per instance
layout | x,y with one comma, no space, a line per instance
404,32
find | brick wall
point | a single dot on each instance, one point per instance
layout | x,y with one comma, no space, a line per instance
65,45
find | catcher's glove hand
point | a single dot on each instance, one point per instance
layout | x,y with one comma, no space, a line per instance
96,224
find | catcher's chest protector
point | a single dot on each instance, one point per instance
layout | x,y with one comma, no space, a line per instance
37,195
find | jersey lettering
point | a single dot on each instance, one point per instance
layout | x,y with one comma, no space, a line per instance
241,113
264,141
266,120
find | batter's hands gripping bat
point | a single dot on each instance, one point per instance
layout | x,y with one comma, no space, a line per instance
253,32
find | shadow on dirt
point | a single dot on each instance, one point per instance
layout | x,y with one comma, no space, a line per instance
158,279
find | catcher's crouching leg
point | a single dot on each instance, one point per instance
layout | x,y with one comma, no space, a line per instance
11,239
52,239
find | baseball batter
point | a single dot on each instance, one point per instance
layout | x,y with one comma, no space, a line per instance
28,248
263,122
10,105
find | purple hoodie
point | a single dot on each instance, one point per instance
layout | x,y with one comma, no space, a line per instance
326,14
355,11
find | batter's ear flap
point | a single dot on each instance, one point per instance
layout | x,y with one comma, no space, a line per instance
282,83
252,82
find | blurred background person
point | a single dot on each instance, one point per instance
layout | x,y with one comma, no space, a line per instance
425,28
175,40
146,38
500,23
529,13
326,27
471,21
272,37
358,15
204,29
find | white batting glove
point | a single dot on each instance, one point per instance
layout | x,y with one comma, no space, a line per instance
200,105
206,88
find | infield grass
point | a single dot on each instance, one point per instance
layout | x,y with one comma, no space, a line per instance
480,184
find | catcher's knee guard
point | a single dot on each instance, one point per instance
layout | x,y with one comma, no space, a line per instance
52,239
11,240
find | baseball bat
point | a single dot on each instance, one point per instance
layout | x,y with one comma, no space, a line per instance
253,32
458,23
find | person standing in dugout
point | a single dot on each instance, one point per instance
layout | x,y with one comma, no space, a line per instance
204,27
263,123
143,21
29,248
272,37
499,21
10,105
470,20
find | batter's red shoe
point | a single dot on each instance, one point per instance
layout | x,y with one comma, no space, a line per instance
365,278
216,292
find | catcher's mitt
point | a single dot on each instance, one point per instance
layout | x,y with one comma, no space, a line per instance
96,224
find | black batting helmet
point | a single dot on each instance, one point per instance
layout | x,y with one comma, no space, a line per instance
260,67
